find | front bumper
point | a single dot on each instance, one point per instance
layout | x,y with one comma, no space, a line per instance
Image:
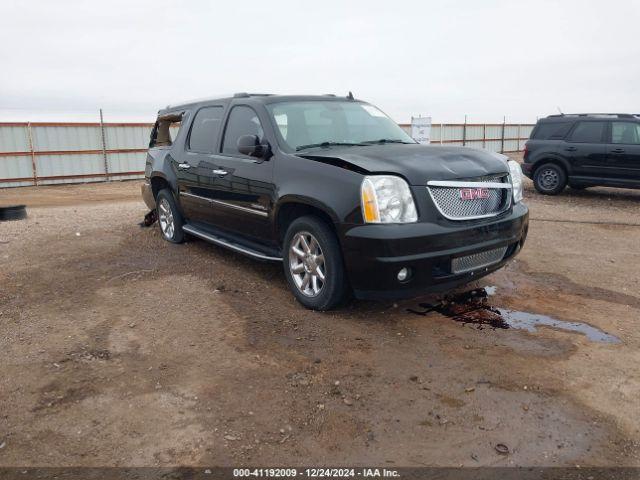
374,254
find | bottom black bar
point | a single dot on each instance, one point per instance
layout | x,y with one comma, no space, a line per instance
218,473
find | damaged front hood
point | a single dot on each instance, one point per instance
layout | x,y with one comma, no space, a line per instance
417,163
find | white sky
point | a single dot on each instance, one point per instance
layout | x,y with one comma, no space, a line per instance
64,60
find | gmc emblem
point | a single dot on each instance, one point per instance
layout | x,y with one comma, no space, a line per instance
473,193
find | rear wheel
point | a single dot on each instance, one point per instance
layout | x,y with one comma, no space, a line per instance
313,264
169,217
549,179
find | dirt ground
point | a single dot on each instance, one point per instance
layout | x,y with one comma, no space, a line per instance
120,349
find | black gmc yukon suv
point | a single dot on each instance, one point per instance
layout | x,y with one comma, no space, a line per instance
336,191
584,150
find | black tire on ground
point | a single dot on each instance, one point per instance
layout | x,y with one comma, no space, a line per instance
13,212
549,179
169,218
321,242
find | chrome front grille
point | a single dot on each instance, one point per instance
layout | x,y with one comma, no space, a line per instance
477,260
448,197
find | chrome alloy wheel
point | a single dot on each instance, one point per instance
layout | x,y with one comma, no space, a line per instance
165,218
549,179
306,264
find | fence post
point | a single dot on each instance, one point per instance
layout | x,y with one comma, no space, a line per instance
484,135
464,132
441,132
504,120
33,155
518,137
104,148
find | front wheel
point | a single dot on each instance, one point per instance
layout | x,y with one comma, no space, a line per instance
313,264
550,179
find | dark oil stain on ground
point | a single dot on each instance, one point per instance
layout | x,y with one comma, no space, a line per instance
472,307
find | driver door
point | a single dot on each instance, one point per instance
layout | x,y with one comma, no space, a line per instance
623,150
244,188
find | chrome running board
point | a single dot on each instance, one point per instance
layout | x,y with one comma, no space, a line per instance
223,242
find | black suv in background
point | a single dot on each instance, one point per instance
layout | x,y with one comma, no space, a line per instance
336,191
584,150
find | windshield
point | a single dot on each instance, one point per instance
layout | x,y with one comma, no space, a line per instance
320,123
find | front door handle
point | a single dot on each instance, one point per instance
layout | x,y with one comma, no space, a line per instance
571,149
220,172
184,166
617,150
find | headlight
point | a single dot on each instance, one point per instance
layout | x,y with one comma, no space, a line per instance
387,199
516,180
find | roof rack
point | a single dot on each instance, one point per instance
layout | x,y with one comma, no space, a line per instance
616,115
219,97
195,100
246,95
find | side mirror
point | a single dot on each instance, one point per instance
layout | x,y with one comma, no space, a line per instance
250,145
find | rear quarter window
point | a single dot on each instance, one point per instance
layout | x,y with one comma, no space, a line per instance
165,130
551,131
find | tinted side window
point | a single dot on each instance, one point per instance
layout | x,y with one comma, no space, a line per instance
551,131
242,121
588,132
625,132
205,129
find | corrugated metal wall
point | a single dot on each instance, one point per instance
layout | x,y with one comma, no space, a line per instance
51,153
496,137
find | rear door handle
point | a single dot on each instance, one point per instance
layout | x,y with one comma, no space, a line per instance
571,149
184,166
617,150
220,172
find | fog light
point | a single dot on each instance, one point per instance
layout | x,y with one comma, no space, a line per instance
403,274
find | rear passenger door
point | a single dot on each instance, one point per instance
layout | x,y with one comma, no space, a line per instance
197,164
585,149
623,150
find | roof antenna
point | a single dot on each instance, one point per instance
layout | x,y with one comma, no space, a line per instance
350,96
560,111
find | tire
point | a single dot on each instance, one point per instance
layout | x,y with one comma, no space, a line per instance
169,218
13,212
321,241
549,179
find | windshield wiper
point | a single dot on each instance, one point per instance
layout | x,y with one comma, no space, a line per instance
386,140
328,144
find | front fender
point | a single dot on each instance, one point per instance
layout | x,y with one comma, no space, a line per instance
330,188
306,200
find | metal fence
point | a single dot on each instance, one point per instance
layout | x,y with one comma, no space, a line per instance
496,137
46,153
